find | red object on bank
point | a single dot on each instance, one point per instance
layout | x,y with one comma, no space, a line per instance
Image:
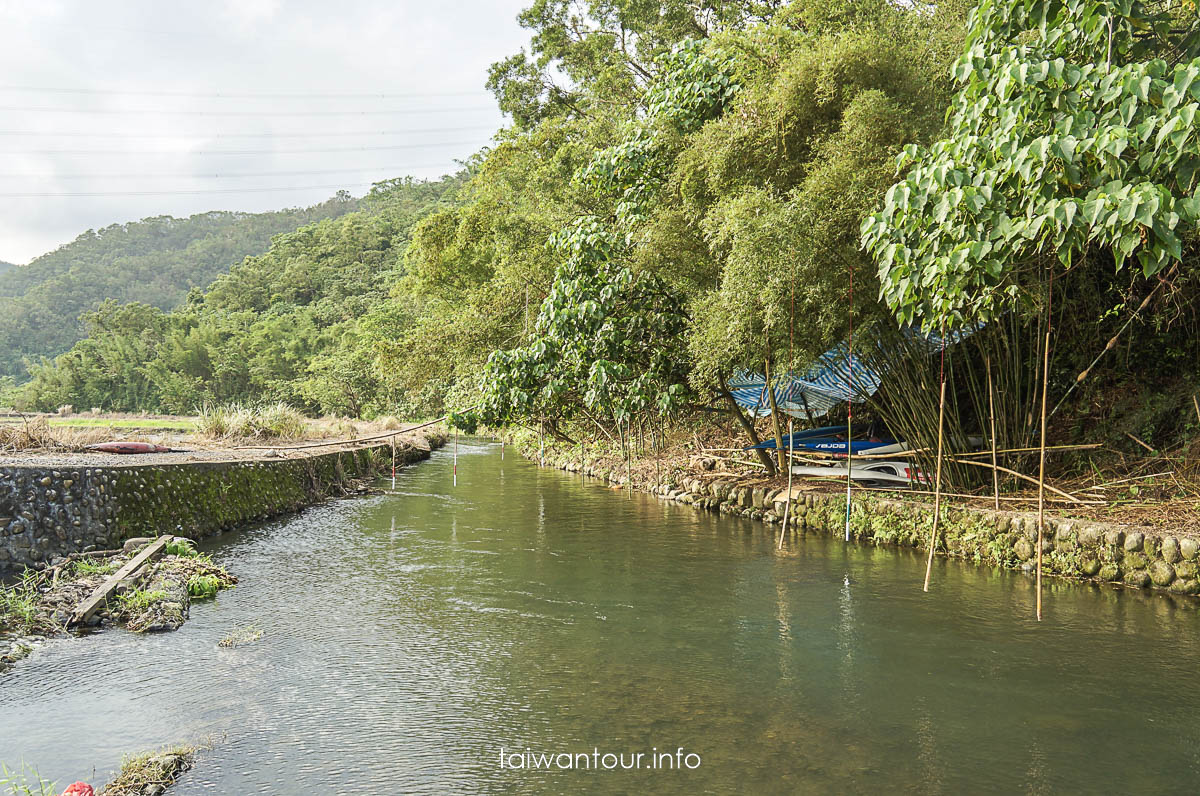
79,789
128,447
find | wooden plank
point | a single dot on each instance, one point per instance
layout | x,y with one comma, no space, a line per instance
98,597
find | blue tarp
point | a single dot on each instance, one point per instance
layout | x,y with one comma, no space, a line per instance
832,381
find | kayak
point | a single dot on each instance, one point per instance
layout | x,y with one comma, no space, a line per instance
129,448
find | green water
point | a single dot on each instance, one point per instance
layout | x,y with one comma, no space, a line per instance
409,637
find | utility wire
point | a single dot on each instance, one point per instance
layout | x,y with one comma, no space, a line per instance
207,152
175,112
239,95
339,186
321,134
201,176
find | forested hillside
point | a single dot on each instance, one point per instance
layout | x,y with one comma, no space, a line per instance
155,261
301,323
687,191
5,266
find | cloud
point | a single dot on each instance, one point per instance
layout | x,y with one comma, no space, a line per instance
149,109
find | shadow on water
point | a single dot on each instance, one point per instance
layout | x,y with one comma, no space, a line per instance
408,637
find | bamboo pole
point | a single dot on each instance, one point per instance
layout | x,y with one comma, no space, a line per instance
937,488
787,507
456,457
1042,455
393,464
628,460
1023,477
992,423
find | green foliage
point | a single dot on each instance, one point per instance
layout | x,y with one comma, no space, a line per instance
1073,131
138,600
184,548
203,587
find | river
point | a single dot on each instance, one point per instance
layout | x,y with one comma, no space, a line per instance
410,637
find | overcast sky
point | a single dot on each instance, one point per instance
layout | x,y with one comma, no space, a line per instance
134,106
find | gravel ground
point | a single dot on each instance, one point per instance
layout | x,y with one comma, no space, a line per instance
65,460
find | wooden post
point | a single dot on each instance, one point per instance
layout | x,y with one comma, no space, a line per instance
787,506
992,422
937,488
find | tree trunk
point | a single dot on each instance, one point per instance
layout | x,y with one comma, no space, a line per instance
747,426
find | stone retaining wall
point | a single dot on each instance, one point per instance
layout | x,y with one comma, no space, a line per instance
47,511
1071,548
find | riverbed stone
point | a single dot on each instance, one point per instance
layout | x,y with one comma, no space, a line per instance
1134,541
1170,550
1114,537
1024,549
1137,578
1189,546
1090,567
1162,573
1109,572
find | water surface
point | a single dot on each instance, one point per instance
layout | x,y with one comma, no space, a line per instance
409,637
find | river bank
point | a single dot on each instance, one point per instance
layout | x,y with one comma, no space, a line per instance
1073,547
52,505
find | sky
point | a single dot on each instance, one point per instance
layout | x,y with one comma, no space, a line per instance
116,111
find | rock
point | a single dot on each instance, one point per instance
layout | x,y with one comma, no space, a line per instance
1090,567
1162,573
1135,561
1186,569
1170,550
1188,547
1137,578
1150,545
136,542
1189,586
1024,549
1109,572
1089,535
1114,536
1134,541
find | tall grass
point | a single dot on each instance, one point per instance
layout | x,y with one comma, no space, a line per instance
253,422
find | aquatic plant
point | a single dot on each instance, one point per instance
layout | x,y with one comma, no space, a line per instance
203,587
141,772
184,548
243,635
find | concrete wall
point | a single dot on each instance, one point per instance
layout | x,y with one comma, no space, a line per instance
48,511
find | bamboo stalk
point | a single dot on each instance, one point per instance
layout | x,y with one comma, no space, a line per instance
1139,442
1023,477
937,495
787,507
1042,463
992,423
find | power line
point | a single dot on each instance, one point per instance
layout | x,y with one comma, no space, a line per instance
339,186
191,175
233,151
239,95
159,112
322,134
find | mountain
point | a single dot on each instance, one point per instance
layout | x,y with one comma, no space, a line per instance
155,261
5,266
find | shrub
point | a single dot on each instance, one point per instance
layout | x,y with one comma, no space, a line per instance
260,422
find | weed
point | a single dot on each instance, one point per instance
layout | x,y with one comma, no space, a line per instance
24,782
141,772
260,422
95,566
18,607
139,600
